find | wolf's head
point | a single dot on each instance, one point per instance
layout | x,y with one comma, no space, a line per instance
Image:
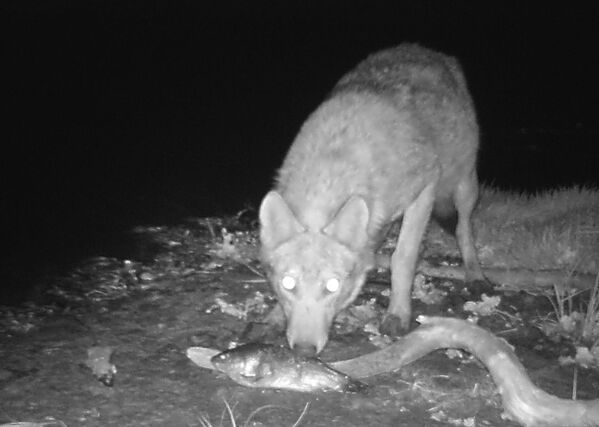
315,273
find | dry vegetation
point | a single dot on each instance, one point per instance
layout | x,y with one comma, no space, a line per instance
553,230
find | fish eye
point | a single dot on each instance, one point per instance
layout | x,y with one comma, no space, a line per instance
288,283
333,284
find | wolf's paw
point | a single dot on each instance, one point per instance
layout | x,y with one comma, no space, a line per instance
393,326
478,286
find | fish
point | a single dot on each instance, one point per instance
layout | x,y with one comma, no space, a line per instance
259,365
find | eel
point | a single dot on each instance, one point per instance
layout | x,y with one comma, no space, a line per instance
522,401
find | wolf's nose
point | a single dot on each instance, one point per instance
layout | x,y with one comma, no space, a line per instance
305,350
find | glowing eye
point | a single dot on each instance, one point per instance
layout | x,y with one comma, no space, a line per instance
333,284
288,282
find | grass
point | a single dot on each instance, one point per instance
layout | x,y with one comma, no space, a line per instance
580,327
590,327
552,230
576,319
229,412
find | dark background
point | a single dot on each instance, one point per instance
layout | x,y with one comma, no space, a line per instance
124,112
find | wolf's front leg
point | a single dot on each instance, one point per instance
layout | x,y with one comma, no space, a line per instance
403,262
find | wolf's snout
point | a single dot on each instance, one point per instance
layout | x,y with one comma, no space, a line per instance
307,345
307,328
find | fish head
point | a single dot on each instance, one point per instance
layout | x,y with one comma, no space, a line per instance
246,364
268,366
315,273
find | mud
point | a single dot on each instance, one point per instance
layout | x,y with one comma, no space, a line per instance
196,290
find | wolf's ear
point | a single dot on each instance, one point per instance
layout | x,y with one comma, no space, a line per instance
350,225
277,222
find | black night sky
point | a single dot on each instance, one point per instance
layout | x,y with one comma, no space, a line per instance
124,112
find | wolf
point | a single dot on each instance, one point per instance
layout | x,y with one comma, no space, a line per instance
396,139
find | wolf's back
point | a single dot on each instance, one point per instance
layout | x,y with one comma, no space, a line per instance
400,112
407,67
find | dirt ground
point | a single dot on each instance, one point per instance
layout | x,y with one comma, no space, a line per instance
187,287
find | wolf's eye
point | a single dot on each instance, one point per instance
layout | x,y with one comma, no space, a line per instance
333,284
288,283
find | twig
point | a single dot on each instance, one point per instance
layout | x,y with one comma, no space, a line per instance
302,415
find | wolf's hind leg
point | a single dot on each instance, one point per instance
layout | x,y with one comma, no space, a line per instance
465,197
